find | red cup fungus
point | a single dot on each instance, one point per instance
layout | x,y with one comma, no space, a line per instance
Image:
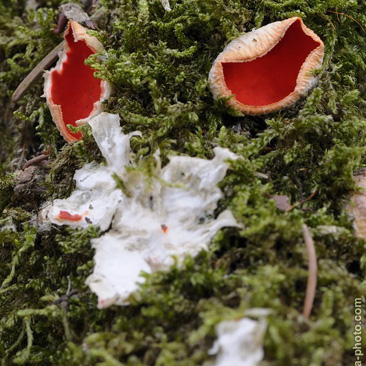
73,94
269,68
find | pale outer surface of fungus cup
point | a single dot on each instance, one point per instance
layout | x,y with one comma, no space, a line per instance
79,34
253,46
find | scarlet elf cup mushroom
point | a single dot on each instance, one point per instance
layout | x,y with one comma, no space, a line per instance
269,68
73,94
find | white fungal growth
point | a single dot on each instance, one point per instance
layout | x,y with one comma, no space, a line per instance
166,5
174,217
240,342
169,216
96,197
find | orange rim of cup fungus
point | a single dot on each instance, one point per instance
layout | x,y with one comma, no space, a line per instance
73,94
269,68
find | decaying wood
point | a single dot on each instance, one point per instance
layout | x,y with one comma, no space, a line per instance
74,12
357,205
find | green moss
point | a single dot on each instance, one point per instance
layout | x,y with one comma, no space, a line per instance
157,63
6,189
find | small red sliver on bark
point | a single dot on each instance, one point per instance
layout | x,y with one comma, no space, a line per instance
65,215
269,68
73,94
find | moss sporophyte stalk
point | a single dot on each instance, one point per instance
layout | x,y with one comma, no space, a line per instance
250,280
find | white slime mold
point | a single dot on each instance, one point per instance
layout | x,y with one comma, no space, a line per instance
239,343
157,220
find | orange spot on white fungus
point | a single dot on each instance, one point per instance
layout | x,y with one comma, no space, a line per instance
65,215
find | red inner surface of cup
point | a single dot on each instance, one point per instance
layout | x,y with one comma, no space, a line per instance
272,77
74,88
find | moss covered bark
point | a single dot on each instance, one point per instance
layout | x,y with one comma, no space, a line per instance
158,64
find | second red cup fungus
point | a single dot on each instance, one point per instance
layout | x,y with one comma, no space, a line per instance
73,94
269,68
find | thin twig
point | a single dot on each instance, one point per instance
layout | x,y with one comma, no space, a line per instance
301,202
36,160
313,270
348,16
36,73
330,22
65,298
